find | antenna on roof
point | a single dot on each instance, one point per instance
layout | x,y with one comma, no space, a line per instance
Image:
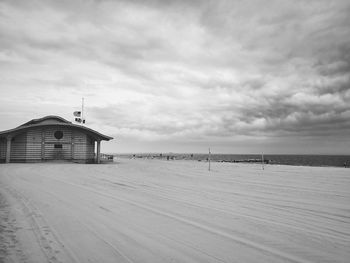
82,110
80,114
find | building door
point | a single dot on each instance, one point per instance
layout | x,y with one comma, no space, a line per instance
58,151
57,144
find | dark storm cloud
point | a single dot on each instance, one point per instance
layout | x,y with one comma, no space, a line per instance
184,69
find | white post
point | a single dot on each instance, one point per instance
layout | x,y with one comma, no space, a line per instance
98,157
209,160
8,149
262,160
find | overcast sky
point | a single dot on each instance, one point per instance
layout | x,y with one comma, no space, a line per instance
182,76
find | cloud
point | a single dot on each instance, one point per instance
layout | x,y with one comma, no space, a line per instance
175,71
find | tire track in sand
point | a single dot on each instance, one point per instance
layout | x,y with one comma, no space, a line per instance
339,235
240,240
46,244
118,251
49,243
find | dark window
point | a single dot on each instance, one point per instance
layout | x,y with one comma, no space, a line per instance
58,146
58,135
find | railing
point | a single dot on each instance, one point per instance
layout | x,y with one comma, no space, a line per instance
106,157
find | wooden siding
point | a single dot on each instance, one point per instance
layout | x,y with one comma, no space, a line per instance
84,146
50,138
52,153
18,147
90,150
79,137
2,148
49,121
39,144
33,151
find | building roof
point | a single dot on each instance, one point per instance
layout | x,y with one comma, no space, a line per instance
46,118
54,121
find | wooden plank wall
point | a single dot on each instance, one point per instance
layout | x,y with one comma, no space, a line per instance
52,153
18,147
90,150
33,151
2,148
39,144
50,138
84,146
79,140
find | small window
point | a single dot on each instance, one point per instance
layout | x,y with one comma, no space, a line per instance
58,135
58,146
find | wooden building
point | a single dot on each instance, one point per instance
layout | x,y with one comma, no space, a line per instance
51,138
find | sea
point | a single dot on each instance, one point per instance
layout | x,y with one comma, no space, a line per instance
280,159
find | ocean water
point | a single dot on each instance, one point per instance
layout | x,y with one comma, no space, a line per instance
303,160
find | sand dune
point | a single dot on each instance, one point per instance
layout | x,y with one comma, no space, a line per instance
173,211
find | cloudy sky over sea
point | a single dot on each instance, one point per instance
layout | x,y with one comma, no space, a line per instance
182,76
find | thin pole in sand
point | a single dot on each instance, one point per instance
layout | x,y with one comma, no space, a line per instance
209,160
262,160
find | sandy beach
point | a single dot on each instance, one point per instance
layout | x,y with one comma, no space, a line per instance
139,210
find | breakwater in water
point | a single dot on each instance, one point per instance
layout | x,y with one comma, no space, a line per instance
293,159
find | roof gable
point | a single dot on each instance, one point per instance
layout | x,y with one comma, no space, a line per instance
46,120
53,121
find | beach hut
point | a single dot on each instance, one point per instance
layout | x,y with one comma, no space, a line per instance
50,138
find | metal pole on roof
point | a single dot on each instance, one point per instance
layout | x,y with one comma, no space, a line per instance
82,110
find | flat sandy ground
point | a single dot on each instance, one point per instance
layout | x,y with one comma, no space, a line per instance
173,211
